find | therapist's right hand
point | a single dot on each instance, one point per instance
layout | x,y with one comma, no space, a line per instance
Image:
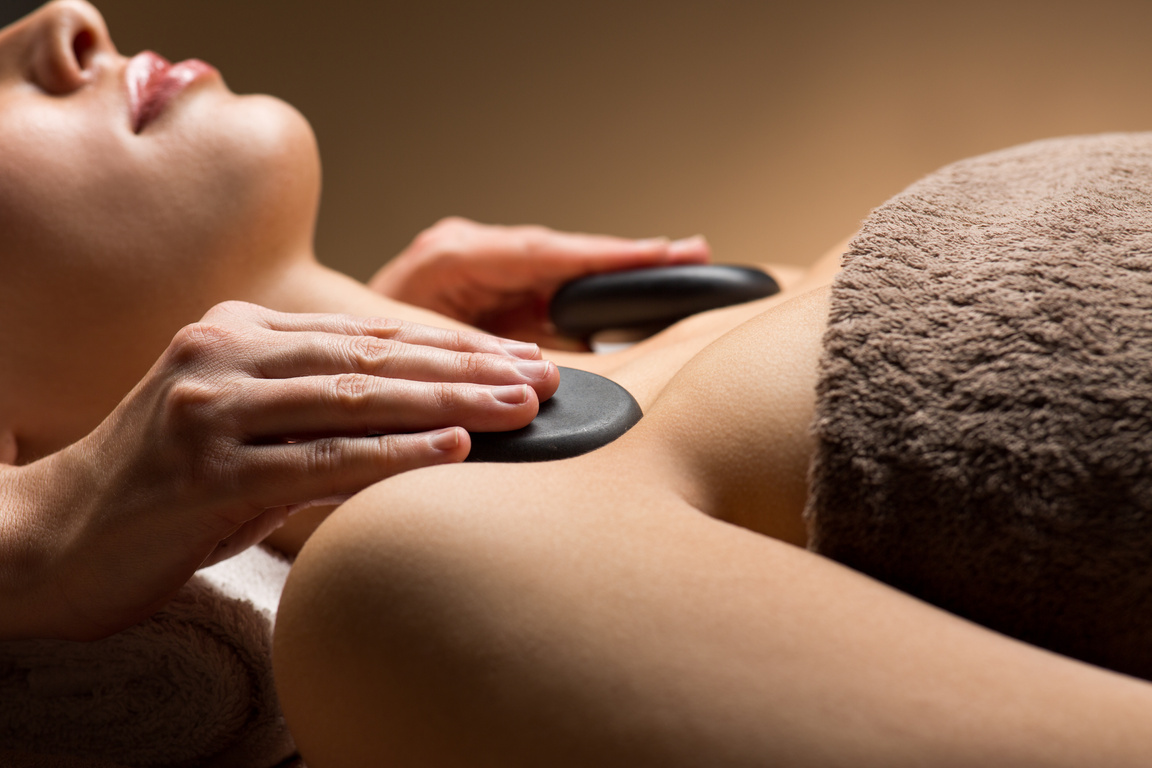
248,413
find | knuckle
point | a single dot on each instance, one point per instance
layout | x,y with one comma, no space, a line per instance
386,328
232,309
217,468
350,391
198,430
387,451
369,354
324,456
469,366
191,403
445,396
193,343
467,339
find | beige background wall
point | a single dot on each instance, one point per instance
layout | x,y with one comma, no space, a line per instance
770,127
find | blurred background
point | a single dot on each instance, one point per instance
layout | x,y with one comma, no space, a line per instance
770,127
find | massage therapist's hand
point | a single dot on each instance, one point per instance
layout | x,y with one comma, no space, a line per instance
501,279
246,414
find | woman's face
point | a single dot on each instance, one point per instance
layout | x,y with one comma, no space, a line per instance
132,197
75,169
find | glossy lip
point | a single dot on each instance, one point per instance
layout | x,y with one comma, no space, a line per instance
153,81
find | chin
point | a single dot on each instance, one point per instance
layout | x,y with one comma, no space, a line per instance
269,176
235,199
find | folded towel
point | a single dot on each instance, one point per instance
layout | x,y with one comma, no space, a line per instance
984,416
190,686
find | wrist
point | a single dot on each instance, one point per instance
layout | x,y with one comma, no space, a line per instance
39,511
25,551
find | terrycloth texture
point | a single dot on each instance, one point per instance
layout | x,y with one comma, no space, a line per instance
191,686
984,416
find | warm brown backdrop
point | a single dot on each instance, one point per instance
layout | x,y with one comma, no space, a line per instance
770,127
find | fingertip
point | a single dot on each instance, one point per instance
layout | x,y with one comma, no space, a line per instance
690,250
450,441
512,394
521,349
548,383
450,446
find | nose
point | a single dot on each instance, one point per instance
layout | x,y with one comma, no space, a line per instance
67,39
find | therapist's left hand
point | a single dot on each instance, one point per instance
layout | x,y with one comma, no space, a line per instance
501,279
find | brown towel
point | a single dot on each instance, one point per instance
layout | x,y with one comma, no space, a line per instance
984,416
190,686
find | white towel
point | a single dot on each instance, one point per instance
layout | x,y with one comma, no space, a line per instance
190,686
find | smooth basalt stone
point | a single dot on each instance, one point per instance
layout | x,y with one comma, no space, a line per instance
654,297
586,412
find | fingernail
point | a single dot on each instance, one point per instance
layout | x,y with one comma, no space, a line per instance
533,369
513,395
446,439
521,349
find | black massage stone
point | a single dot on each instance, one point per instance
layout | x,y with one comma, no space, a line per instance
654,297
586,412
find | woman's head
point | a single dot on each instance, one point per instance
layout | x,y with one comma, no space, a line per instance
131,199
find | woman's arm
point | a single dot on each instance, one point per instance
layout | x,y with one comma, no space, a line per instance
580,613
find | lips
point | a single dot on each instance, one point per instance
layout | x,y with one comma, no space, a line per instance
153,81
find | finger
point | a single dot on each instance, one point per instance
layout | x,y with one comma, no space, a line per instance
689,250
294,473
530,321
249,534
558,256
545,335
328,502
355,404
394,330
312,354
537,260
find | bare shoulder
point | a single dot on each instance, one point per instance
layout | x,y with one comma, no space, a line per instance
738,415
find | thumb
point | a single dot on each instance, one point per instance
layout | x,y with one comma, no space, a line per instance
250,533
